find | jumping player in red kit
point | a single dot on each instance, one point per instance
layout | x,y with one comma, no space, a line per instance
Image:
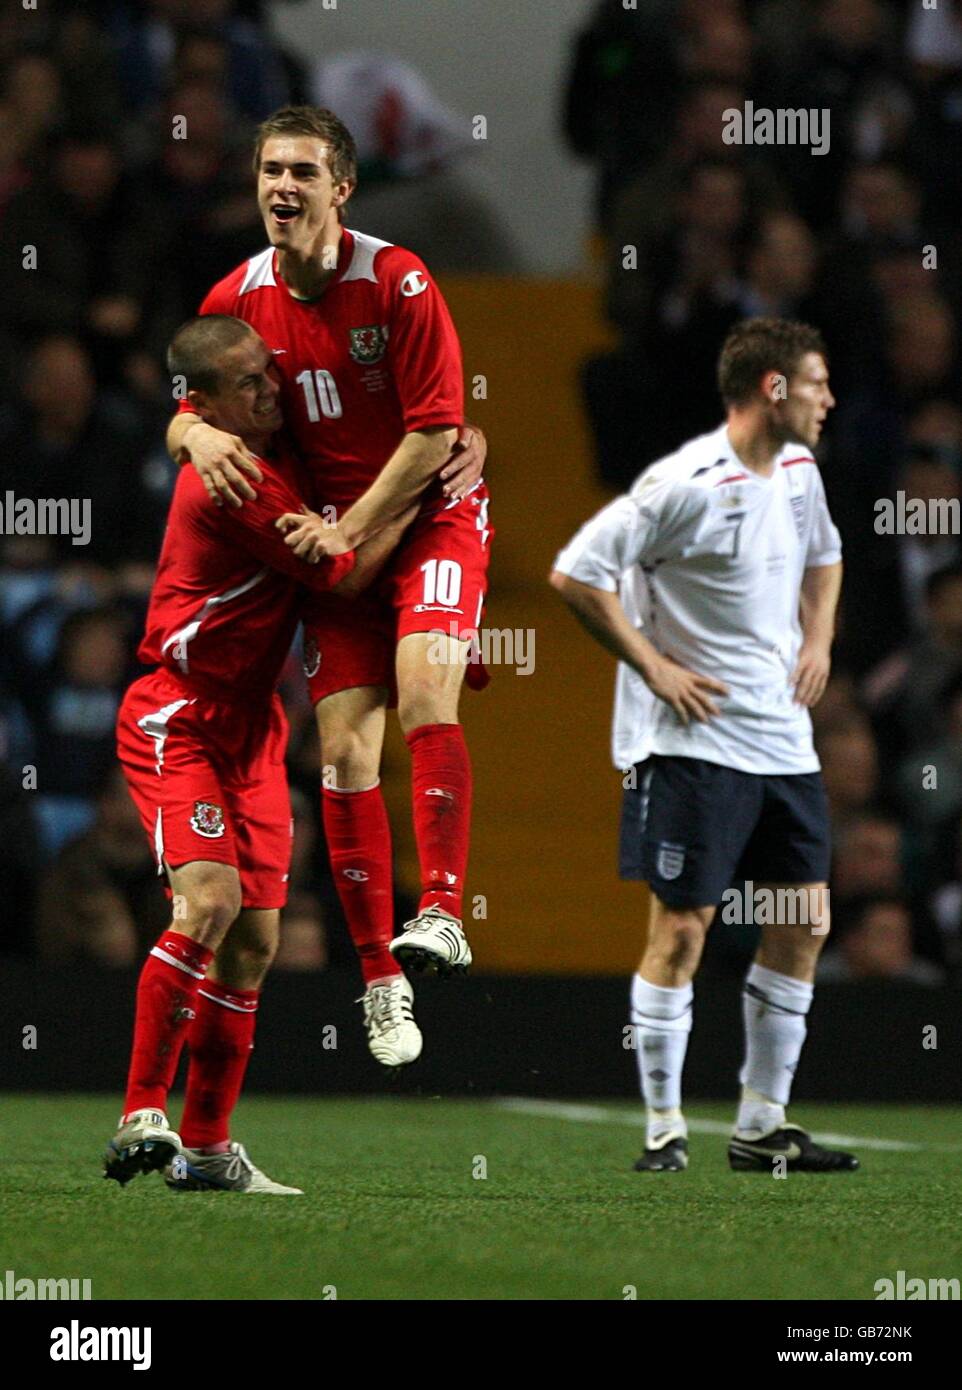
201,740
373,398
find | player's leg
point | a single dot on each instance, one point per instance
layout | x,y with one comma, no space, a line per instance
439,582
177,793
684,825
430,673
207,899
220,1041
778,989
661,1015
351,724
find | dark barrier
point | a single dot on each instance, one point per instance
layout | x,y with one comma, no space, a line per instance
512,1035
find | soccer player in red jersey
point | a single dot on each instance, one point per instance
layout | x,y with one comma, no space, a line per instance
202,740
373,397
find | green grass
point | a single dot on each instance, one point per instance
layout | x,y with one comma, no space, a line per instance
392,1210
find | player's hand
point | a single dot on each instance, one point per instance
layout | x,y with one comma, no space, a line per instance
222,460
688,694
466,464
811,674
311,537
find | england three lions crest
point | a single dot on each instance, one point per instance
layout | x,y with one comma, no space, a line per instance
368,345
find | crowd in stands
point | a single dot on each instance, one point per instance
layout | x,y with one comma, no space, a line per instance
862,241
98,200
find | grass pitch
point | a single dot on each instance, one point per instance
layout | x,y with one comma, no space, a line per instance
396,1206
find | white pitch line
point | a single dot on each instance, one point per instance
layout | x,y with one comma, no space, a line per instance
597,1114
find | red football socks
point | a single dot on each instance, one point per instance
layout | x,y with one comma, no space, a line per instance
166,1003
220,1041
441,797
359,843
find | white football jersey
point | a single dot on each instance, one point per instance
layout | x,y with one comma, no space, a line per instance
708,558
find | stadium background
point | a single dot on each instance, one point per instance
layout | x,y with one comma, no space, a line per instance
603,132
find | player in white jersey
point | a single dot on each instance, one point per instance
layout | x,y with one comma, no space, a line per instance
714,581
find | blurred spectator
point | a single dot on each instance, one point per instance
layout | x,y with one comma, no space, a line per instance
621,91
850,768
147,35
101,899
906,691
71,701
205,185
63,440
33,89
86,243
876,944
867,858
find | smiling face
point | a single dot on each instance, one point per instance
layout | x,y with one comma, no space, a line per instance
801,414
246,401
296,194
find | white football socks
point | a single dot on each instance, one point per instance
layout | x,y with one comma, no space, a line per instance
661,1023
774,1008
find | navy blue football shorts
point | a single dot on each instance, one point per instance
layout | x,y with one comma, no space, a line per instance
691,828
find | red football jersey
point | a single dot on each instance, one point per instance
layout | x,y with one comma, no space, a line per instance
373,358
226,601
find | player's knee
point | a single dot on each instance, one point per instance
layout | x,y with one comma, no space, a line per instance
350,761
244,965
680,937
212,905
424,701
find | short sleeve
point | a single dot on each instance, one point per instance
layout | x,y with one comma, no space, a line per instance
423,347
631,530
825,543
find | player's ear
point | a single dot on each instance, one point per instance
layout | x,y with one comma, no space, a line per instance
200,401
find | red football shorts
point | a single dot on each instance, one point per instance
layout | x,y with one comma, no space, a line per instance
209,781
436,581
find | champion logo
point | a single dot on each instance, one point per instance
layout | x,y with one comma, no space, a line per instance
358,875
439,791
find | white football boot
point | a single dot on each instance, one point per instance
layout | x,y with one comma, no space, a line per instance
392,1034
144,1141
433,941
190,1171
